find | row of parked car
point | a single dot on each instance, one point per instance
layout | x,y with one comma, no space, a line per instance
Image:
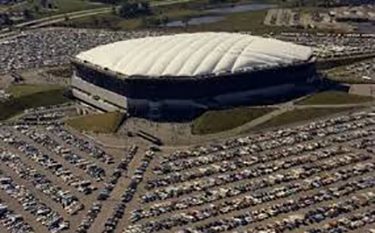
13,222
185,183
91,168
121,169
90,217
325,212
350,223
69,202
111,223
41,211
82,144
241,182
8,136
274,139
327,45
291,179
254,197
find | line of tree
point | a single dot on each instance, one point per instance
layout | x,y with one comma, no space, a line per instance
5,20
133,9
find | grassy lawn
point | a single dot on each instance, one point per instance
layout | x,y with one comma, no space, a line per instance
344,77
180,11
299,115
97,123
345,73
218,121
31,99
234,22
107,20
29,89
65,6
59,7
334,97
115,22
243,21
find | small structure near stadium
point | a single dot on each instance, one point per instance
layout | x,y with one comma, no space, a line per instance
183,74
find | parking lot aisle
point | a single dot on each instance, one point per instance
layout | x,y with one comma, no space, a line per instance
3,229
84,199
339,156
255,207
37,193
366,229
242,195
298,212
330,220
186,168
313,206
85,155
135,202
17,208
75,170
115,196
109,205
258,178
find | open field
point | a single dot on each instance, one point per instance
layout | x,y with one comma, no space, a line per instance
32,98
334,97
347,78
65,6
240,21
58,7
29,89
233,22
97,123
355,72
217,121
115,22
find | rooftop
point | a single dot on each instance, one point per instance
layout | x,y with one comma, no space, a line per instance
194,54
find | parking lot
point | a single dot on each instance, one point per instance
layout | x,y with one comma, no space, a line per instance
54,46
313,178
327,45
53,178
318,177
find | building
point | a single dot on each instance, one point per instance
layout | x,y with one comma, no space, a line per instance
186,73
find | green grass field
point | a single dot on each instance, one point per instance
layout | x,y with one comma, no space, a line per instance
299,115
243,21
97,123
334,97
31,98
65,6
29,89
218,121
180,11
59,7
115,22
234,22
344,74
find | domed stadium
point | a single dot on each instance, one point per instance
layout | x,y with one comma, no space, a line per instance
185,72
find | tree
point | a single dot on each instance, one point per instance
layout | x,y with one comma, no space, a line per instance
43,3
134,9
27,14
36,8
5,19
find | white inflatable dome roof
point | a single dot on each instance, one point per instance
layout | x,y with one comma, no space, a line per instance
194,54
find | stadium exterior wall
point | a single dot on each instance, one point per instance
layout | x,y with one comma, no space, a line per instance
157,97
